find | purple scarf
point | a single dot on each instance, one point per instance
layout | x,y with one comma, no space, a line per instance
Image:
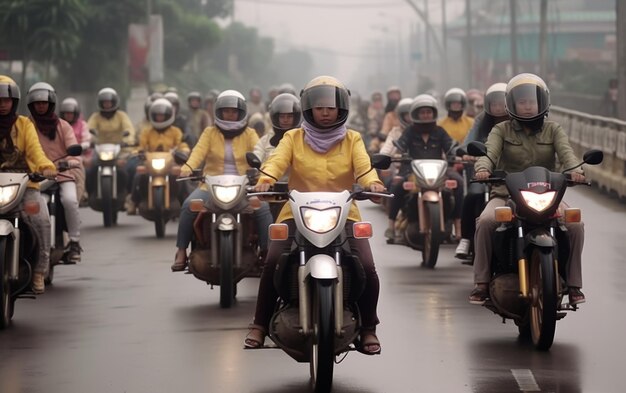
322,140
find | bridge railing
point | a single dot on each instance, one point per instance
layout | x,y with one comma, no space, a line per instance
596,132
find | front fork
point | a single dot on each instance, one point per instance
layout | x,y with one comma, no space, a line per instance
430,196
522,262
226,222
107,171
156,182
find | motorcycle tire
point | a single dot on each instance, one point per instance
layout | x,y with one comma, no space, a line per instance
226,263
322,358
6,302
434,236
159,203
543,307
107,201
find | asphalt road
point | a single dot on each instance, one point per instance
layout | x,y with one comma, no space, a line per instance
122,322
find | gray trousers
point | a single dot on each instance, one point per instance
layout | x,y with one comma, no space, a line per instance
40,223
486,225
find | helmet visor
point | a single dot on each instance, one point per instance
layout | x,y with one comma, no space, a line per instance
325,96
527,101
9,90
38,96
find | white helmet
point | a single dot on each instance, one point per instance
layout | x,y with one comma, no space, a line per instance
404,107
161,106
108,94
455,95
495,93
423,101
527,87
231,99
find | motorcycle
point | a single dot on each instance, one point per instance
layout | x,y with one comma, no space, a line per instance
159,192
528,264
435,202
58,225
110,183
225,244
319,281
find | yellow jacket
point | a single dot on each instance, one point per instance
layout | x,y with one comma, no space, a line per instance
210,149
29,150
457,130
171,138
333,171
111,130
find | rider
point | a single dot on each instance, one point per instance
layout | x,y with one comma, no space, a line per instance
456,124
255,102
286,113
20,149
390,119
323,156
161,136
524,141
55,136
70,112
493,114
198,118
209,104
424,139
180,120
223,149
144,124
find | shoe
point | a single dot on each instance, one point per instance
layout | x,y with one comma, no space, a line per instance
180,262
73,254
576,296
390,234
129,205
462,250
479,294
38,284
369,343
255,337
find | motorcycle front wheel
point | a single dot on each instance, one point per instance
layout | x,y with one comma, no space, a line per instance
543,306
159,203
226,255
322,341
6,303
106,187
433,236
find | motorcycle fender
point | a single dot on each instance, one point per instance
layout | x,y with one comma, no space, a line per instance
158,181
106,171
6,228
430,196
540,237
226,223
322,266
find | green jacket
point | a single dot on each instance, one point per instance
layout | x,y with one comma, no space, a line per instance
513,150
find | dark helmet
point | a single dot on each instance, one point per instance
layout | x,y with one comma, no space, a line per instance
495,93
231,99
423,101
527,87
42,92
285,103
455,95
325,92
108,94
404,107
163,107
10,89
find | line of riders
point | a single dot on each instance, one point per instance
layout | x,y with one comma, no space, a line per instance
251,208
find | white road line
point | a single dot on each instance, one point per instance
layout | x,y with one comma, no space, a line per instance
525,380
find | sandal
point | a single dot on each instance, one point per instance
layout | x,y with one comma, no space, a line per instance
576,296
179,263
479,295
369,343
255,337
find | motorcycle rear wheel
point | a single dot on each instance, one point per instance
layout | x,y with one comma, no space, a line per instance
544,297
226,255
322,341
6,303
434,236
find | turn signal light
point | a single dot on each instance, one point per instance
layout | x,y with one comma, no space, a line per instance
31,207
279,232
196,205
362,230
408,185
572,214
451,184
504,214
142,170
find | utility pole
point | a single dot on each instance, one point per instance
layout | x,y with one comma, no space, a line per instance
444,38
621,58
513,37
468,44
427,31
543,39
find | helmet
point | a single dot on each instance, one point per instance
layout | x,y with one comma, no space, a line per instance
495,93
328,92
211,95
455,95
194,94
285,103
287,88
394,89
404,107
172,97
70,105
161,106
527,87
108,94
149,100
10,89
42,92
423,101
231,99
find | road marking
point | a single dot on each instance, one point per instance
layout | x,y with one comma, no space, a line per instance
525,380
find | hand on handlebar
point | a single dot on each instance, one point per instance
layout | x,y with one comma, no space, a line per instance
262,187
375,187
184,172
482,175
49,173
577,177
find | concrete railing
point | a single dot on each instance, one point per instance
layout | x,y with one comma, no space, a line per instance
596,132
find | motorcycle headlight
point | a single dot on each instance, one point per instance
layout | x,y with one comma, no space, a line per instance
106,155
320,221
538,202
158,163
8,194
431,172
226,194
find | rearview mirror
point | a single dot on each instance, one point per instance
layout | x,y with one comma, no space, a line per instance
180,157
380,161
74,150
253,160
477,149
593,157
